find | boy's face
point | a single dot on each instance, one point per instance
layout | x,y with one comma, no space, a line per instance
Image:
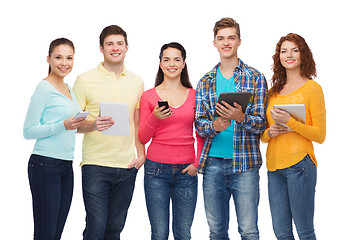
227,42
114,49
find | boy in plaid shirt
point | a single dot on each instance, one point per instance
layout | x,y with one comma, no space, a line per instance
230,157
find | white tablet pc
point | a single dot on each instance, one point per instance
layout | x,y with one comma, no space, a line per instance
297,111
81,115
120,114
241,98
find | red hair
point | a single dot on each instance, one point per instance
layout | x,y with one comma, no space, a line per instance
308,66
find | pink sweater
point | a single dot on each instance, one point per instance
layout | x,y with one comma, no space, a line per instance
172,138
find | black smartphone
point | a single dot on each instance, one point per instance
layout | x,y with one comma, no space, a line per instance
163,103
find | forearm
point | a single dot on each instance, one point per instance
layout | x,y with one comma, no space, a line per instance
254,124
264,137
35,127
140,148
203,114
87,126
315,133
43,131
205,128
315,129
255,119
147,129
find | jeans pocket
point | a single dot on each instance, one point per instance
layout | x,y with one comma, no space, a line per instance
309,160
208,161
190,176
43,161
151,168
50,162
300,166
31,168
133,171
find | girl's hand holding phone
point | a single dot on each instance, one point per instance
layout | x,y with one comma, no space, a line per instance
161,112
73,123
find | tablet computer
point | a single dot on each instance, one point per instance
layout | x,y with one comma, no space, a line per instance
120,114
241,98
297,111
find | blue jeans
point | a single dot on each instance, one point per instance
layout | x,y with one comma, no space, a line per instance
219,183
163,182
291,197
107,193
51,184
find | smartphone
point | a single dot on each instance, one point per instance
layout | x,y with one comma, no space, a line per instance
163,103
82,115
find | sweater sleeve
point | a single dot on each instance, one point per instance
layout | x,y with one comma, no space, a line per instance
264,137
148,121
33,129
317,115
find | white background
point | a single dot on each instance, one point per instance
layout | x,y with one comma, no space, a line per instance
27,28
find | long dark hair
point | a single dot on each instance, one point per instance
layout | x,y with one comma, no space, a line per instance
57,42
184,74
307,69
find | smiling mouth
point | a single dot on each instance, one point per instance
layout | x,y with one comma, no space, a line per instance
63,69
115,54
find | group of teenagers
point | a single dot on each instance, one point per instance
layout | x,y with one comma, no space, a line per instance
227,155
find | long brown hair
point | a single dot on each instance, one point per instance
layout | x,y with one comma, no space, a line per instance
307,68
184,74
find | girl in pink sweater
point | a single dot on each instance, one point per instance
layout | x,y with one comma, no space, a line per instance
171,165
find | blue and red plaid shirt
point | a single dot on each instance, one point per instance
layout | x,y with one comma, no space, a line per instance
246,154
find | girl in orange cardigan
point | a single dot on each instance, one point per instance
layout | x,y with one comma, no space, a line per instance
290,158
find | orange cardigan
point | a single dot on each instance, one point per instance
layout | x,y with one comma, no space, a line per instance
288,149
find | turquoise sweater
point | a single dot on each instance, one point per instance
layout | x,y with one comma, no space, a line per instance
44,121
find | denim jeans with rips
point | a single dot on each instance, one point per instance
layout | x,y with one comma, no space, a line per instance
219,184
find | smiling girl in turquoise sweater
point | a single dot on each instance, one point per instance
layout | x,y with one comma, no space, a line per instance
50,120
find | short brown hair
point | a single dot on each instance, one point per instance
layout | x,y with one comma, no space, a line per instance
112,30
226,23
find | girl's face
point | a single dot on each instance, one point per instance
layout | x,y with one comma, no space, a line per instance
172,63
290,56
61,60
